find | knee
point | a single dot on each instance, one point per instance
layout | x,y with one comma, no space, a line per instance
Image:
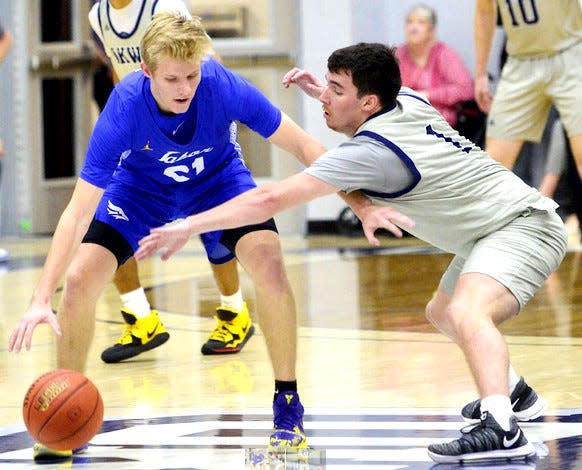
74,281
435,315
449,319
270,268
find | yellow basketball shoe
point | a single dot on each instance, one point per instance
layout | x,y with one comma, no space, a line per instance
140,335
288,433
233,331
42,453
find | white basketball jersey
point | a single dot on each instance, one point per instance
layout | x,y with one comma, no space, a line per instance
121,39
540,27
459,195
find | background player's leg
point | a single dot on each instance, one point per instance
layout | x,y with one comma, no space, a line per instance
504,151
143,329
576,146
226,277
233,322
126,277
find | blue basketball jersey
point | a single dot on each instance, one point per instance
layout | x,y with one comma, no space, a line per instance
157,168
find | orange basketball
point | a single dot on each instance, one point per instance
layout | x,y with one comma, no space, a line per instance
63,410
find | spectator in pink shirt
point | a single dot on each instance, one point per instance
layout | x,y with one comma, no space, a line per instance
431,67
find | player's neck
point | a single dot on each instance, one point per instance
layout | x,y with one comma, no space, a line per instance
118,4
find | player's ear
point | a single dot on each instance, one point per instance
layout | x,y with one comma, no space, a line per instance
145,69
370,102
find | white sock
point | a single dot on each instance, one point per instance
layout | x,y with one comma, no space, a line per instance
137,302
500,407
234,301
513,379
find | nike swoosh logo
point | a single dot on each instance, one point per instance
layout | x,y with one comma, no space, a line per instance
509,442
515,402
153,331
177,128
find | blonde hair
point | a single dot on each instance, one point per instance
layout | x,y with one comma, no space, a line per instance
173,35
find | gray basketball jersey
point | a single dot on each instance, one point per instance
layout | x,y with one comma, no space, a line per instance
540,27
123,46
453,190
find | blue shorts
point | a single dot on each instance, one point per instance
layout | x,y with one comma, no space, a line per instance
133,213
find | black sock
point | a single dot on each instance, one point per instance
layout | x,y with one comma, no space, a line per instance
284,386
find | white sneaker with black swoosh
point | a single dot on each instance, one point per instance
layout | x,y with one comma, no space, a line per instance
484,441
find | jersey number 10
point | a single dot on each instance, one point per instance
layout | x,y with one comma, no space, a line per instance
522,11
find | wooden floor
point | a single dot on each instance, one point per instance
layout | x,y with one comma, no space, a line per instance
378,383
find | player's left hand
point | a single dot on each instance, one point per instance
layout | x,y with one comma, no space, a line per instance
169,239
374,217
305,80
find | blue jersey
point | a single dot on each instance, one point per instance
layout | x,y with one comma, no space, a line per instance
136,145
157,168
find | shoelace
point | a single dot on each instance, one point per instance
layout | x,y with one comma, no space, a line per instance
126,336
470,427
476,440
286,418
221,332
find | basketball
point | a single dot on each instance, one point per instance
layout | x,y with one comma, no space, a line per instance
63,410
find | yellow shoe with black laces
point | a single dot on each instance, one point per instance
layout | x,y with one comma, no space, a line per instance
140,335
42,453
233,331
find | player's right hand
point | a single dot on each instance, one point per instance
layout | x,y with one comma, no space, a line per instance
483,95
26,325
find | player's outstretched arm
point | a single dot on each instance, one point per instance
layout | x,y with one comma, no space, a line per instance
249,208
70,230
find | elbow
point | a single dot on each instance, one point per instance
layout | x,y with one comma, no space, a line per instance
267,203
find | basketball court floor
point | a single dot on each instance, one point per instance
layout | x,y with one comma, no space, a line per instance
379,384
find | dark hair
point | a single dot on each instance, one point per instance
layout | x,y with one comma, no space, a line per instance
373,67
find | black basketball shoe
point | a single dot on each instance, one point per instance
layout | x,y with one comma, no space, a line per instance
484,441
526,404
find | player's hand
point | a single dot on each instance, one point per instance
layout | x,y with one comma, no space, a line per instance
483,95
305,80
26,325
374,217
169,239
